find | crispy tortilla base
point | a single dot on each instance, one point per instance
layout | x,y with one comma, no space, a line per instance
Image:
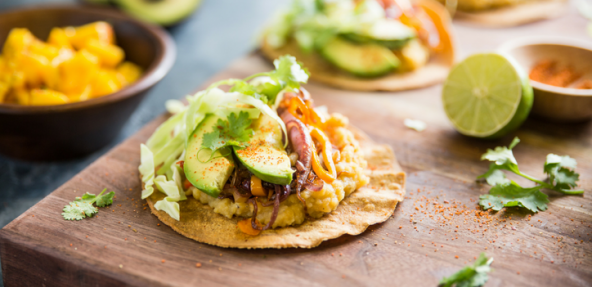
514,15
371,204
434,72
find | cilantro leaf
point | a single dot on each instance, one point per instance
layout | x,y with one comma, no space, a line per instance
494,176
289,72
238,126
234,131
88,196
471,276
502,157
560,172
104,200
512,194
73,212
212,140
83,207
563,161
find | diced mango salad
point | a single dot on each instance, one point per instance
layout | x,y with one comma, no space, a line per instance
75,64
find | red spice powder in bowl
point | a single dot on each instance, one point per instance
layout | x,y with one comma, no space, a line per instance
560,73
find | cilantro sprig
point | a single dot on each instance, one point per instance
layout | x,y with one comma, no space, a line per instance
288,73
471,276
234,131
560,171
82,207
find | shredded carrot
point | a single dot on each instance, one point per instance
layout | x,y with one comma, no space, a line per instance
307,113
296,104
314,117
246,227
327,149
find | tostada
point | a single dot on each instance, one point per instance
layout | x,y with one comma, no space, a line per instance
258,165
505,13
365,45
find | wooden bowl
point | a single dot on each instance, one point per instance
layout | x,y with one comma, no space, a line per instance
76,129
551,102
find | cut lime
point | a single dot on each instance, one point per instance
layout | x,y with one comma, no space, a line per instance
484,96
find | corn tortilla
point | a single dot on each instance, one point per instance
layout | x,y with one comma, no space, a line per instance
370,204
434,72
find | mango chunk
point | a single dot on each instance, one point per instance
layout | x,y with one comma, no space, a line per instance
80,96
59,39
77,72
101,31
42,49
104,83
129,73
32,67
18,40
109,55
43,97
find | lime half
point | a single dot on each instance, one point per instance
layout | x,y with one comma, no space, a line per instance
484,96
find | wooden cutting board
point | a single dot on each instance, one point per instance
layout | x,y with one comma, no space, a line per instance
126,245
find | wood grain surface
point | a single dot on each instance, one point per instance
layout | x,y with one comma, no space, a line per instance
126,245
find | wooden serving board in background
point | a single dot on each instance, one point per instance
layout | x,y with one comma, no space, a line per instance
126,245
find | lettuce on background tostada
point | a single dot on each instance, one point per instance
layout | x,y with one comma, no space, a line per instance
259,166
365,44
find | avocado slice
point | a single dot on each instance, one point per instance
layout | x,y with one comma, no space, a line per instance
364,60
208,176
265,156
161,12
387,32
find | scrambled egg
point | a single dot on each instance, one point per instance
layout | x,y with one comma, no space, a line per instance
351,176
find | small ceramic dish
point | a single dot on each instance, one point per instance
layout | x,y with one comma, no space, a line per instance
75,129
551,102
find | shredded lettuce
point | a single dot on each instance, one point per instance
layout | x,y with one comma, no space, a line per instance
163,134
169,206
170,188
147,170
313,23
175,106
